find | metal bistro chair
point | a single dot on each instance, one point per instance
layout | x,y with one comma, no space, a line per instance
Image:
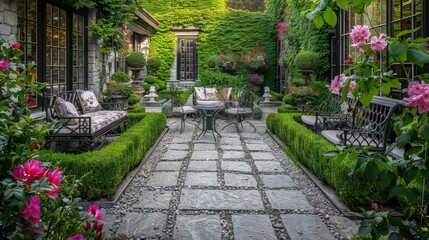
241,109
179,109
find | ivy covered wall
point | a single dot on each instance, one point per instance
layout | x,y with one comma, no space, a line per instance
302,34
221,30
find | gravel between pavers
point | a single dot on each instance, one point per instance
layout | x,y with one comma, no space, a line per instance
129,202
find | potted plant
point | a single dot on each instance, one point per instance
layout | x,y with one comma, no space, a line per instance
135,62
306,62
304,95
118,92
120,77
214,62
153,64
229,62
256,59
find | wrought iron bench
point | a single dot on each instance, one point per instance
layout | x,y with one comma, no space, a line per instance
368,126
330,114
77,116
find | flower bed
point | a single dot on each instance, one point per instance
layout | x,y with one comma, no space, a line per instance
103,170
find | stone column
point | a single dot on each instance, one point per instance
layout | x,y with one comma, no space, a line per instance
8,21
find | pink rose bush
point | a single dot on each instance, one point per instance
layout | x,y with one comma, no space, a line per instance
339,81
360,35
418,96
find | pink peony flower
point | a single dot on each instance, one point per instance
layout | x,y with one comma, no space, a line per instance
378,43
32,210
351,86
54,177
76,237
337,82
95,211
16,45
4,64
418,96
359,34
53,193
29,172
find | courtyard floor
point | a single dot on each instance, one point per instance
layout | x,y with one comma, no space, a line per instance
241,187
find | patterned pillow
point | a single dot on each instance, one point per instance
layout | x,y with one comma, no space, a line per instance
64,108
200,93
88,101
211,94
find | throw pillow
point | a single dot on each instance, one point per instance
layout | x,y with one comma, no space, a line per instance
88,101
211,94
200,93
64,108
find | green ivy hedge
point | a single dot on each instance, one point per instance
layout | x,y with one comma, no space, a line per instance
308,148
165,6
103,170
221,30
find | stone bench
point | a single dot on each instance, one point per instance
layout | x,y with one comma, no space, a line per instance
79,117
367,126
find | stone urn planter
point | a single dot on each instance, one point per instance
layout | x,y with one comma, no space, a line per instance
120,99
136,73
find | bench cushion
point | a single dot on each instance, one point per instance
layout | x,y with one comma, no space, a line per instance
308,119
200,93
102,119
88,101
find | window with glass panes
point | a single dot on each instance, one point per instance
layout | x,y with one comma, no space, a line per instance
27,36
78,73
382,16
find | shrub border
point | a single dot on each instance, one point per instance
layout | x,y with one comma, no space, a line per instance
111,164
308,149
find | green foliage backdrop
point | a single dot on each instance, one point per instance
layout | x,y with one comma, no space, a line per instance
221,30
302,33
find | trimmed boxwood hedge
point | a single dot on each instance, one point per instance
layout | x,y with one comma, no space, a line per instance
308,148
104,169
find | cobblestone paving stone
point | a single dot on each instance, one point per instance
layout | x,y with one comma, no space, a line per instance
241,187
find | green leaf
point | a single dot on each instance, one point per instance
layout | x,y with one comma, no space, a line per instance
424,131
318,21
385,88
395,236
331,153
386,179
404,139
409,174
343,4
330,17
396,190
371,170
395,48
417,56
364,230
365,98
400,34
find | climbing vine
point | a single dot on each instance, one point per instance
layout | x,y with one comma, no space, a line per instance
221,30
302,34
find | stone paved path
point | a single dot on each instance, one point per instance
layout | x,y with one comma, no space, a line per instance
241,187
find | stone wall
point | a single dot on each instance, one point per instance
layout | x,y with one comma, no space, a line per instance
8,21
94,59
251,5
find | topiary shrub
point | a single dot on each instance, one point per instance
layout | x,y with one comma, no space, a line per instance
307,60
162,85
289,99
120,77
135,60
134,99
150,79
153,63
214,62
275,96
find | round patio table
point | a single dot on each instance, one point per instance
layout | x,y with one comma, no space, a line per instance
209,113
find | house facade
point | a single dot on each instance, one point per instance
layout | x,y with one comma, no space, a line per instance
389,17
56,38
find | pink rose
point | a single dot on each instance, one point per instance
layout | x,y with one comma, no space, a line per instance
4,64
16,45
378,43
32,210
